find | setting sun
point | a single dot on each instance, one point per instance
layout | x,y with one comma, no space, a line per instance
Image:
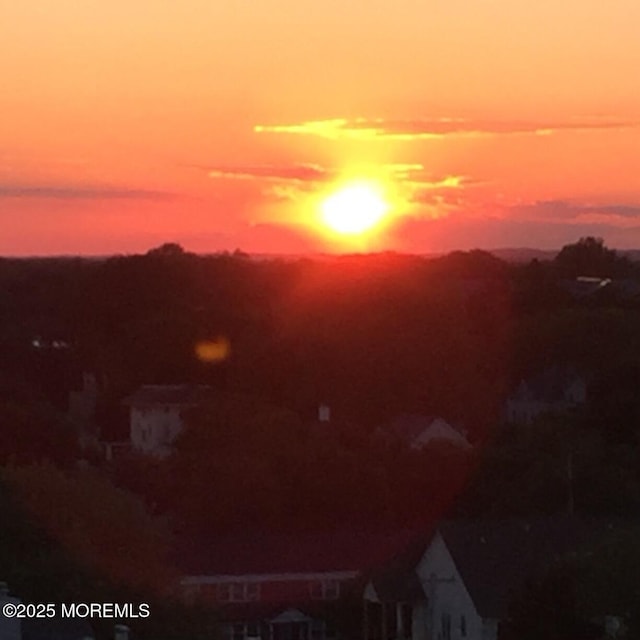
354,209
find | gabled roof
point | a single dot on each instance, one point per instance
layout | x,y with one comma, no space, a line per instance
397,580
409,428
181,395
257,554
496,558
550,385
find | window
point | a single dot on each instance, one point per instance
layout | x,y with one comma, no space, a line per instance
239,592
252,591
331,590
445,626
406,618
317,630
463,626
241,631
191,593
325,590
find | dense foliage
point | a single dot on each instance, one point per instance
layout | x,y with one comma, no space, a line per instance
73,537
593,593
371,336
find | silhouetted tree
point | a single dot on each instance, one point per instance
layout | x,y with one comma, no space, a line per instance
167,250
96,524
590,257
574,597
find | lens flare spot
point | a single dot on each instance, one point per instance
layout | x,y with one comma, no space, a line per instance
215,350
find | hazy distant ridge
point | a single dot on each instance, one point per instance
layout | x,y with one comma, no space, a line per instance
527,255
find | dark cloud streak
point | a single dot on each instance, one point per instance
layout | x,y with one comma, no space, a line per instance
297,172
566,210
80,193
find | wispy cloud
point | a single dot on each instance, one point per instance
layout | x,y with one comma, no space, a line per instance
566,211
409,173
430,128
64,192
290,182
295,173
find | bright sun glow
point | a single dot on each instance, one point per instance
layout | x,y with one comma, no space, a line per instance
354,209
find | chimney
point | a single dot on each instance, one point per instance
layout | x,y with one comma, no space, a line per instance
120,632
89,382
324,413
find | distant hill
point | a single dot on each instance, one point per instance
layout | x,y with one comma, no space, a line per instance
526,255
508,254
523,254
632,254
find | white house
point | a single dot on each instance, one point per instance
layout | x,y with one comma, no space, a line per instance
553,390
452,613
468,574
425,600
156,415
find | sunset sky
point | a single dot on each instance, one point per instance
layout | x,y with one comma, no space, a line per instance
224,125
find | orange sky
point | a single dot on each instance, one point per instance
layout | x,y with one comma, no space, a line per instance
220,125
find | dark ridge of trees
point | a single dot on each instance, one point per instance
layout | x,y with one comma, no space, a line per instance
590,257
31,428
470,264
558,465
615,402
577,595
74,537
372,336
243,463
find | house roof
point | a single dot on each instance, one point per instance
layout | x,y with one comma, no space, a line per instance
584,286
622,289
409,427
183,395
279,553
549,385
397,580
496,558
